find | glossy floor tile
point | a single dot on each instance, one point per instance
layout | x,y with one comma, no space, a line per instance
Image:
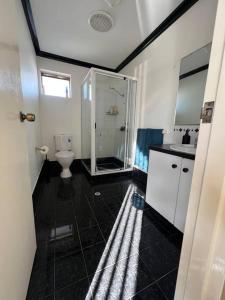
134,274
168,283
92,256
101,247
91,236
77,291
152,292
69,269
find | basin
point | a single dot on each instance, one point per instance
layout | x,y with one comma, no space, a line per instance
185,148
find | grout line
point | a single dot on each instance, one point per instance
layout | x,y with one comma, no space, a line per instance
69,285
95,219
166,298
172,270
46,297
92,245
110,210
154,282
67,254
85,265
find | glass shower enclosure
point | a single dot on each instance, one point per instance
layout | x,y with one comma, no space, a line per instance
108,122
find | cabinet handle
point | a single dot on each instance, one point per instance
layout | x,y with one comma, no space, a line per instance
174,166
185,170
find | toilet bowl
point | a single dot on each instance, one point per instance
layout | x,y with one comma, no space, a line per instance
64,154
65,159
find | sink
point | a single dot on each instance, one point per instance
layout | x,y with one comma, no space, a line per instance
185,148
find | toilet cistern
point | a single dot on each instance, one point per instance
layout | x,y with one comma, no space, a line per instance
64,154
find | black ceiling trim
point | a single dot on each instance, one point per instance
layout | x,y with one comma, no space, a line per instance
195,71
30,23
72,61
176,14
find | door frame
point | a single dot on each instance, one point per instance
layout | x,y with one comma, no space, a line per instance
204,215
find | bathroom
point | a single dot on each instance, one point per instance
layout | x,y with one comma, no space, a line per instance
112,158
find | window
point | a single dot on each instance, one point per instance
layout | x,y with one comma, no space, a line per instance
55,84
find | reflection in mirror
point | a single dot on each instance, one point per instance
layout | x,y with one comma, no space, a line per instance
192,81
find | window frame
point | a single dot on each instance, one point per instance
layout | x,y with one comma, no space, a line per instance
56,75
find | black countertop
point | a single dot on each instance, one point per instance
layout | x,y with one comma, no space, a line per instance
165,148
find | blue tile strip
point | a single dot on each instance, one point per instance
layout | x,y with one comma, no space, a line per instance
145,138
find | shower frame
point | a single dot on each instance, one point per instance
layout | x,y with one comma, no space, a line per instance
92,77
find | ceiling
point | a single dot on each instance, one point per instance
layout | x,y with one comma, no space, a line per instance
62,28
8,18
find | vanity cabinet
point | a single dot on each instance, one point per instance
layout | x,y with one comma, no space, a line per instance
168,186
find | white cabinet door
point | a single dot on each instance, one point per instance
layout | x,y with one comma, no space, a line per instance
183,193
163,181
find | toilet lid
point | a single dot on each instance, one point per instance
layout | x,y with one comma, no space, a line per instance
64,154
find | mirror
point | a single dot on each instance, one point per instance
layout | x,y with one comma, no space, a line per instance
192,81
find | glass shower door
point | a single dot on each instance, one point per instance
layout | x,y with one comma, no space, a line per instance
86,104
130,124
111,123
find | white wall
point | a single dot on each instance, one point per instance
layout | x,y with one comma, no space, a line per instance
61,115
30,93
157,67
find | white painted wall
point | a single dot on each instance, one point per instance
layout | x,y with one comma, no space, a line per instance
157,67
30,94
61,115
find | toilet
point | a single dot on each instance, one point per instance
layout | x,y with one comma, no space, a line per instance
64,154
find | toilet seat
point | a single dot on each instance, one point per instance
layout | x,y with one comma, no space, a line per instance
64,154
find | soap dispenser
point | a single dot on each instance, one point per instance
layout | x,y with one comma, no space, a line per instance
186,137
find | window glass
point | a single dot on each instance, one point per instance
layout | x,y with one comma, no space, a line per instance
55,84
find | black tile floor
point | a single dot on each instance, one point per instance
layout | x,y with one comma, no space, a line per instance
101,247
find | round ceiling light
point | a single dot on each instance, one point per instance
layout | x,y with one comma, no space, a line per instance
100,21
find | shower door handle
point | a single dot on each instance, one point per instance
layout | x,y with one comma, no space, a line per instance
95,125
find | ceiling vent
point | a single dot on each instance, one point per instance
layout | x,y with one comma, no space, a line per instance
113,3
100,21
